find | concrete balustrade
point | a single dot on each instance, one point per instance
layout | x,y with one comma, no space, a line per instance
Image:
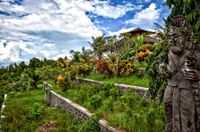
122,87
56,100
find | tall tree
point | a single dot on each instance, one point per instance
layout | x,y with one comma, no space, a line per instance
190,9
34,63
75,55
85,54
98,46
111,42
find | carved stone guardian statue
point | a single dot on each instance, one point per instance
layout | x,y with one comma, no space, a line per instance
182,94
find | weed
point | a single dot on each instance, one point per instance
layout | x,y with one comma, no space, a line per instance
90,125
36,110
131,80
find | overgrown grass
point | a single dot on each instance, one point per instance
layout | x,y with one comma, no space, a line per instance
140,65
1,98
27,111
129,111
131,80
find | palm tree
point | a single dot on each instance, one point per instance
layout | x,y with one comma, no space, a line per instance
127,40
111,42
85,54
62,62
127,45
98,45
75,55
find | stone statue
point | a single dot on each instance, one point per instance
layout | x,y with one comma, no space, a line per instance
182,94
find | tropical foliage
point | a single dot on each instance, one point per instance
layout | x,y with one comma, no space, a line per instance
157,84
191,10
188,8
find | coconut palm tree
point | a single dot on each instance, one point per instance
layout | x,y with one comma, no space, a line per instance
85,54
98,45
75,56
111,42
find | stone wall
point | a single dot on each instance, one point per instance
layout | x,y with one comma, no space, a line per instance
122,87
78,111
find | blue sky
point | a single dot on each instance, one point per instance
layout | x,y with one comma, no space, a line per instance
51,28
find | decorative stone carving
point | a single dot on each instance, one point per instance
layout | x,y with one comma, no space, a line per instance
182,94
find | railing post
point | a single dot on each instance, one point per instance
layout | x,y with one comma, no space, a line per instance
1,112
48,95
47,89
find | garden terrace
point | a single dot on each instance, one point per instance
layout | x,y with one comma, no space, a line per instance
130,80
76,110
122,87
130,111
27,111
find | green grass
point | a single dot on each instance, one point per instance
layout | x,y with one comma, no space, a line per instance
27,111
130,111
130,80
140,65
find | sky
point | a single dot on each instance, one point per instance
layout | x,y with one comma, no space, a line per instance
51,28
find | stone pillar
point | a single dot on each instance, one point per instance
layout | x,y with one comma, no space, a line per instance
47,89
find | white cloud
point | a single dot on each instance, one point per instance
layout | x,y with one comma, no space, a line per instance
44,15
146,18
123,30
11,8
57,21
12,51
63,16
45,53
110,11
49,45
61,55
1,48
49,26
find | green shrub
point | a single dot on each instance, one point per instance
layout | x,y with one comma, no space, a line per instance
15,117
73,71
130,80
126,68
90,125
84,69
65,84
48,72
1,96
128,99
102,66
89,90
108,104
140,73
114,92
40,85
95,101
36,110
105,88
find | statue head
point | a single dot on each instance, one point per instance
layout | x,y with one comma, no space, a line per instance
176,41
179,34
